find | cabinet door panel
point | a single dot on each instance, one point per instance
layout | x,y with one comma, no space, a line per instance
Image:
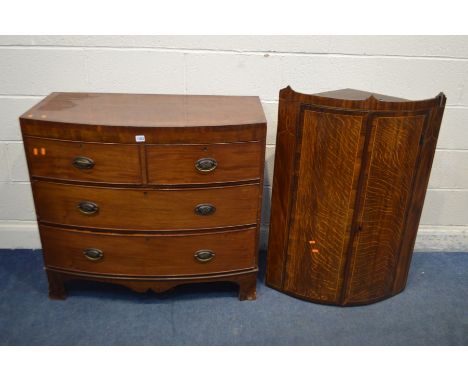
392,158
326,179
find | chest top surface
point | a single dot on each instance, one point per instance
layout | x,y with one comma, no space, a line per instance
147,110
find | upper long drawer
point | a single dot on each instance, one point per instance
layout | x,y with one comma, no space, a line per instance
198,164
146,209
80,161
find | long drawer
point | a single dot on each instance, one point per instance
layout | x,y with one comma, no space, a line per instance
196,164
146,209
86,162
148,255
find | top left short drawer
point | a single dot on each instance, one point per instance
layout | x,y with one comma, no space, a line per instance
82,161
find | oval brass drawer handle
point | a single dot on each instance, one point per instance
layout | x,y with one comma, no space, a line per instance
83,163
204,255
93,254
206,164
205,209
88,208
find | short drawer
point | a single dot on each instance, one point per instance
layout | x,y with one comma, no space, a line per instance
148,255
80,161
198,164
146,209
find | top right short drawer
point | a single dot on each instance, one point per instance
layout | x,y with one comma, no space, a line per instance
204,163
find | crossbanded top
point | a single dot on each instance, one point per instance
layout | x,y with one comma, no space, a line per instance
147,110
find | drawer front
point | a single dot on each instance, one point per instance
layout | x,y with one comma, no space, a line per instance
148,255
146,209
79,161
198,164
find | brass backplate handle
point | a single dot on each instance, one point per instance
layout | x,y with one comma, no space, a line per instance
83,163
205,209
206,164
88,208
204,255
93,254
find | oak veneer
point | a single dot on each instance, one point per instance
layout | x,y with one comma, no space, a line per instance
351,172
147,191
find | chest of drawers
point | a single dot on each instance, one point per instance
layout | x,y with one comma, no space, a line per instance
147,191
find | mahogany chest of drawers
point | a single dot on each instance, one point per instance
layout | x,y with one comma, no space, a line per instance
147,191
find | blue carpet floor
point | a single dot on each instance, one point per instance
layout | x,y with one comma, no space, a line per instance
433,310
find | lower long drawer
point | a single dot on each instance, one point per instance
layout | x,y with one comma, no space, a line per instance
148,255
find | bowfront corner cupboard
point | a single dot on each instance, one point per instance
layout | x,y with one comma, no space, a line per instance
351,173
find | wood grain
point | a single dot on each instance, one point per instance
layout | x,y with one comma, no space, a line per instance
322,210
114,163
118,118
138,201
393,151
175,164
246,279
285,149
148,255
160,135
421,181
358,231
143,110
146,209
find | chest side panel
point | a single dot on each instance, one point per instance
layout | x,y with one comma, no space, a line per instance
326,179
393,151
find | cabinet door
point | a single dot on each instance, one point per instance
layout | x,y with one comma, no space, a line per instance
326,176
392,157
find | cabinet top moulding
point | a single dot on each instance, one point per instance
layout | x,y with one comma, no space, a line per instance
162,118
360,100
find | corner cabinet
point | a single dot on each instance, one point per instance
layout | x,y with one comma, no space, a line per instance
351,172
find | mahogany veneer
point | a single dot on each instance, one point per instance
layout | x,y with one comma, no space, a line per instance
351,173
147,191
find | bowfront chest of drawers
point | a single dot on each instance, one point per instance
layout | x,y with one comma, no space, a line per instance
147,191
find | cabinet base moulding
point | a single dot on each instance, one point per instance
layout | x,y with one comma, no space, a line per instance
325,302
